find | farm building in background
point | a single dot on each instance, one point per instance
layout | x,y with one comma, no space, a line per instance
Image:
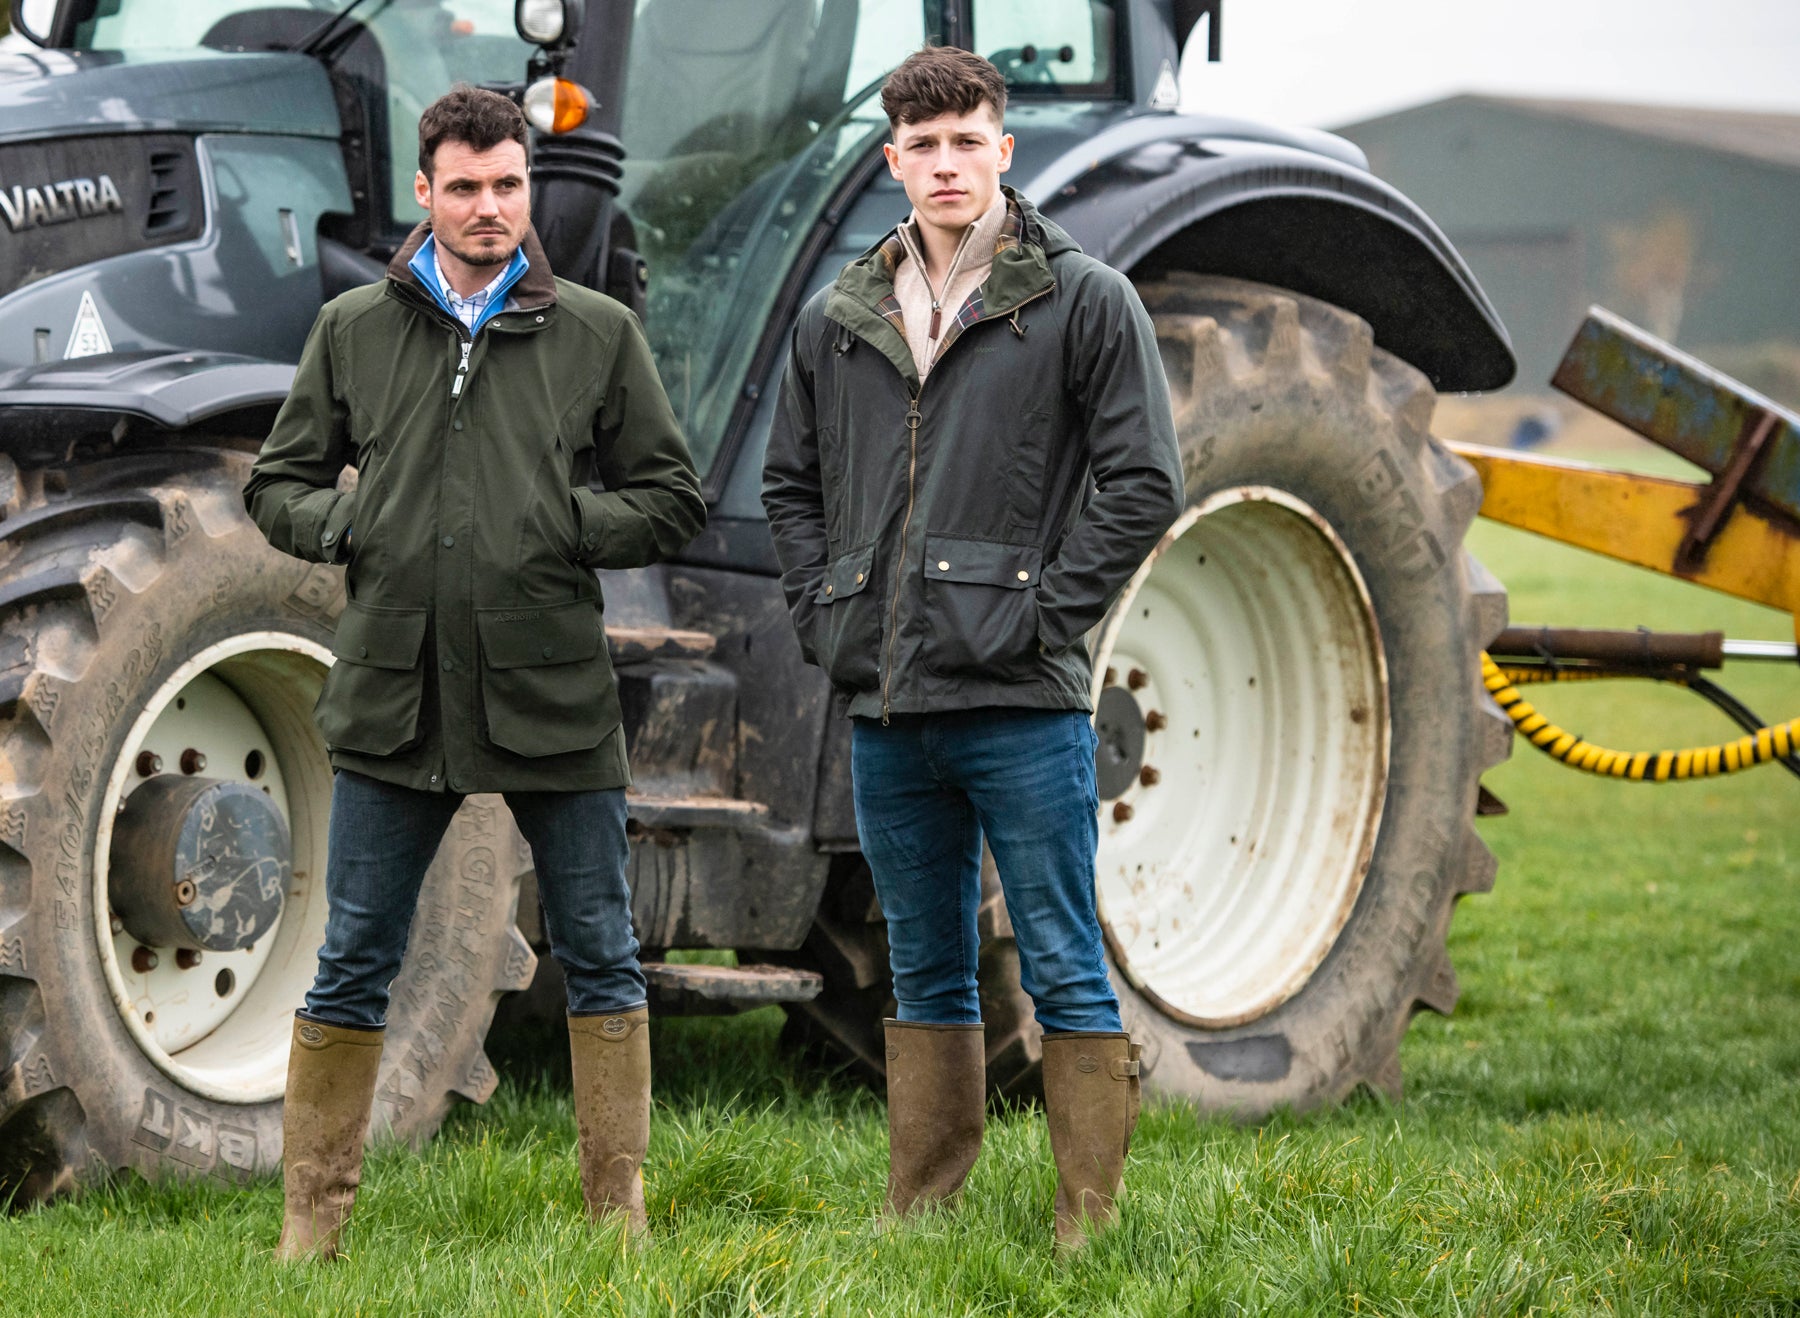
1685,221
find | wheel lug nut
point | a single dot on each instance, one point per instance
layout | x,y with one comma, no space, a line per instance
192,761
143,960
117,925
1155,721
1149,775
1121,811
149,764
1137,679
187,958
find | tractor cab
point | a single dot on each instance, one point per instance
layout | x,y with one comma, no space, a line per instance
704,172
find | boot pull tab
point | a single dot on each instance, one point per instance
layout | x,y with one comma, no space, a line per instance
1123,1068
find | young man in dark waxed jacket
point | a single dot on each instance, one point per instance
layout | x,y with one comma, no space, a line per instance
510,436
973,454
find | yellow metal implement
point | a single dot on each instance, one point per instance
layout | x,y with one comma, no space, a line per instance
1642,520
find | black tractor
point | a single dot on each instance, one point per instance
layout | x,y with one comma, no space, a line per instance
1287,694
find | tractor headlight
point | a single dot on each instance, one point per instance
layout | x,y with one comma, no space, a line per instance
543,22
556,105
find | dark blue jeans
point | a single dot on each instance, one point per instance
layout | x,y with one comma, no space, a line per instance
928,788
383,837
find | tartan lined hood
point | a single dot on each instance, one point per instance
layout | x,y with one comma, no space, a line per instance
863,298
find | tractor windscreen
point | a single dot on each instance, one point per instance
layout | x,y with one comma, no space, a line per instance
736,135
1061,47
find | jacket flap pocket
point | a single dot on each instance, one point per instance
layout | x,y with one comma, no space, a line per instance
380,637
533,637
981,562
852,571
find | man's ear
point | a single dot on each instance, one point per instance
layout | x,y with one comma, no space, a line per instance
1006,145
422,189
892,153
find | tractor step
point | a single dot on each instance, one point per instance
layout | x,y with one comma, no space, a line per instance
701,990
638,645
690,812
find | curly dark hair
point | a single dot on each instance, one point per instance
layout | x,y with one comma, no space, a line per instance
480,119
941,80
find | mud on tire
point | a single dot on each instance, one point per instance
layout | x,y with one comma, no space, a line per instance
129,585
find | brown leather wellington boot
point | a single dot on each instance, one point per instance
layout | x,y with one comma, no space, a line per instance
937,1100
611,1056
330,1088
1091,1096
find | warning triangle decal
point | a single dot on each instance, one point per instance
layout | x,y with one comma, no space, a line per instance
1167,94
89,337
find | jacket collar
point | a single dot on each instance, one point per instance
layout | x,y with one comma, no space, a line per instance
535,288
863,300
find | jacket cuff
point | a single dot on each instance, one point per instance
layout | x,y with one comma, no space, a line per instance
333,531
590,530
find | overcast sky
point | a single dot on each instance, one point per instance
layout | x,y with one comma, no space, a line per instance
1324,63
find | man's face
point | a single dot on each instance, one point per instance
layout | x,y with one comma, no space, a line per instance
951,165
479,201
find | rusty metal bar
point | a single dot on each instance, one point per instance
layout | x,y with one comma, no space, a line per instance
1634,648
1686,406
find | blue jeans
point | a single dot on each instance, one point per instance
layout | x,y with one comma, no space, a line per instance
928,788
383,837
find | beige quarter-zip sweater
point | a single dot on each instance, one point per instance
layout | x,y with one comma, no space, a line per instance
927,314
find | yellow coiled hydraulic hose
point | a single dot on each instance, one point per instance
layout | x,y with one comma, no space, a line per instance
1759,747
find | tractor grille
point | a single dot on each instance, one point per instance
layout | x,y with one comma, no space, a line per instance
172,190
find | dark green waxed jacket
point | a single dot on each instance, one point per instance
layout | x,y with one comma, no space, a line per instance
471,656
947,546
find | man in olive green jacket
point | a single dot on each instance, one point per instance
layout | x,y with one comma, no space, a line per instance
510,436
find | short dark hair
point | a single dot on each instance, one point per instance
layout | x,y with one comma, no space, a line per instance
941,80
480,119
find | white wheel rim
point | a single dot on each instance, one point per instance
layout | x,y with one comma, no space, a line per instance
221,1027
1223,884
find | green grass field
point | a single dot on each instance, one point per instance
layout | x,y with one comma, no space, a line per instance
1608,1124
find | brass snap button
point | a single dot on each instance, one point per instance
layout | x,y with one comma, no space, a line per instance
943,566
1024,576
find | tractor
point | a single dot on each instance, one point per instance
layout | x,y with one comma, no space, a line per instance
1288,694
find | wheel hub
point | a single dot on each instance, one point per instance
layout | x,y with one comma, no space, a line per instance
199,864
1119,723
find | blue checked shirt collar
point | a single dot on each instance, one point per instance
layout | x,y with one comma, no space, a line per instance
475,310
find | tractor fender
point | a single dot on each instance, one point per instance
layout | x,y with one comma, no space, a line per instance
46,409
1156,194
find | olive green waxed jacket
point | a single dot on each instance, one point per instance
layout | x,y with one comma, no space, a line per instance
947,545
471,656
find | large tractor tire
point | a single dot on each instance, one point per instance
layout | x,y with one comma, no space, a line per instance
1291,719
1292,733
151,642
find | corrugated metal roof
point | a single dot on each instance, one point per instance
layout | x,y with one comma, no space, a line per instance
1758,135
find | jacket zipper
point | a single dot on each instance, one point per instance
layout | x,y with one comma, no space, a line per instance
912,472
462,369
